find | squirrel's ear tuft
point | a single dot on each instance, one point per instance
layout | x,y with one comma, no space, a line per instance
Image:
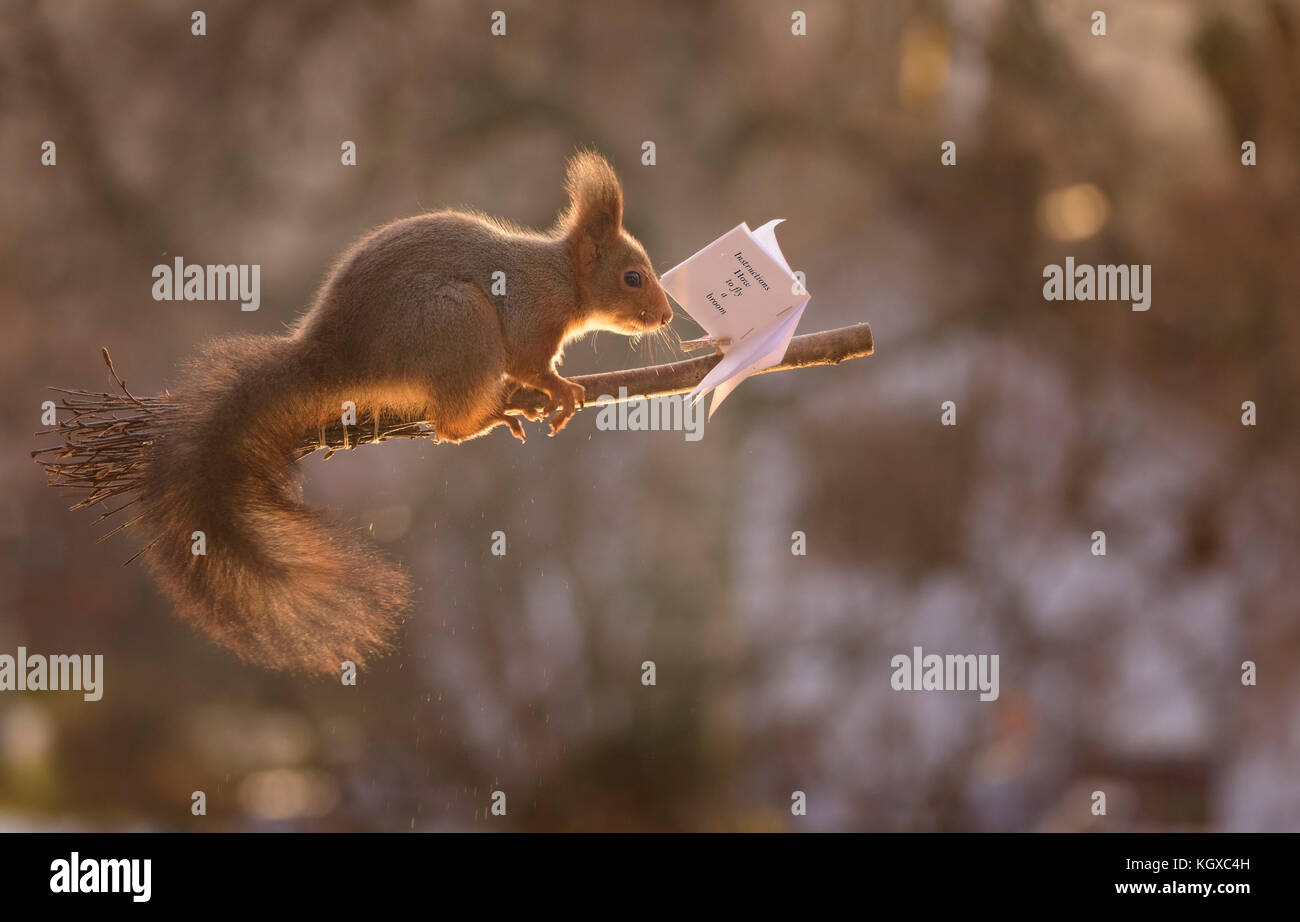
595,211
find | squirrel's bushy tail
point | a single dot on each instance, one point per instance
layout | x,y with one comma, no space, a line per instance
277,583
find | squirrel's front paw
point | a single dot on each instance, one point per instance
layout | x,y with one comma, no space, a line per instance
564,403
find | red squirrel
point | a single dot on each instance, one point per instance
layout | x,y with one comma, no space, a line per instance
406,323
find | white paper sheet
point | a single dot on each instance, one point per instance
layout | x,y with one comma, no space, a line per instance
741,288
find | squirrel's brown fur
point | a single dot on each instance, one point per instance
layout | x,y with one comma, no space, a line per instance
405,323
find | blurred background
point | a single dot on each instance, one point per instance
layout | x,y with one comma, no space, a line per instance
1119,673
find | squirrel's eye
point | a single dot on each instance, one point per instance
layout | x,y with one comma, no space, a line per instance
632,279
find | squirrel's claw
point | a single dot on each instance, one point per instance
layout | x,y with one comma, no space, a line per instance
560,419
512,423
564,404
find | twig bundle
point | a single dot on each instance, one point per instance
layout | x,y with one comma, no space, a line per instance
105,448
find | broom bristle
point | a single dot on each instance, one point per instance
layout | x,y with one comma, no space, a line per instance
106,440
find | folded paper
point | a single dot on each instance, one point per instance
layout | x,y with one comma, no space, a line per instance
744,294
